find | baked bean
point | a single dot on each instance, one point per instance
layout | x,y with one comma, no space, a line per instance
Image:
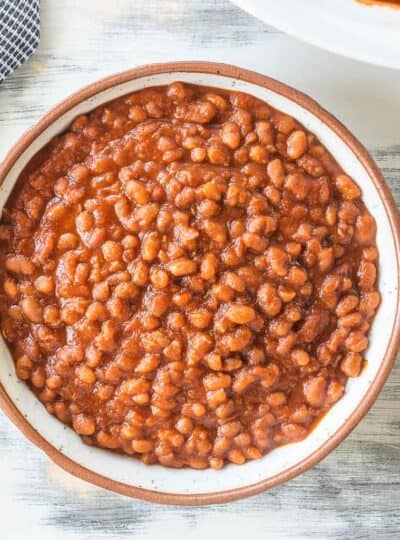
315,390
278,260
184,425
300,357
140,273
298,185
201,318
62,412
369,303
150,247
216,397
44,284
159,278
84,424
331,214
366,275
356,342
216,231
214,361
142,446
258,153
283,122
198,409
51,315
218,101
240,314
96,312
200,112
254,241
151,275
106,440
112,251
269,300
148,363
24,366
276,172
32,309
130,241
365,229
126,290
236,456
351,364
335,392
370,254
208,267
216,381
296,144
350,320
297,276
154,110
19,264
346,305
38,377
264,132
198,155
286,294
159,304
222,292
232,364
141,399
231,135
54,381
216,463
137,113
234,281
182,267
85,374
10,288
237,340
101,291
290,433
192,141
182,299
276,399
347,188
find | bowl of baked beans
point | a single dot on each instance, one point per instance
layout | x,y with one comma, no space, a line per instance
199,283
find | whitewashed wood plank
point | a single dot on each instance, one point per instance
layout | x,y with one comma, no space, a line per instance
355,492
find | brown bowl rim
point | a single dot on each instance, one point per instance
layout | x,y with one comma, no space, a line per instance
376,385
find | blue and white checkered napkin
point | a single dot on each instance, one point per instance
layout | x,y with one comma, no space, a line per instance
19,33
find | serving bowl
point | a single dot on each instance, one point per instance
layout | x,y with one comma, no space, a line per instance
186,486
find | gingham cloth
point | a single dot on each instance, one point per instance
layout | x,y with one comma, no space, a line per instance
19,33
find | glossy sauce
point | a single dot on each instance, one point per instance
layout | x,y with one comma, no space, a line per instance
188,277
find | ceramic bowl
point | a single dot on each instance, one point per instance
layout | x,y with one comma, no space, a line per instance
185,486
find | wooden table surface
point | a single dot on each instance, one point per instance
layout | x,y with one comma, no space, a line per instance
352,494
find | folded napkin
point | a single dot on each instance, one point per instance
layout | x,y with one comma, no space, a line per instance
19,33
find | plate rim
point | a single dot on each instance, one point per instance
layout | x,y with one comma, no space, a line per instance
375,58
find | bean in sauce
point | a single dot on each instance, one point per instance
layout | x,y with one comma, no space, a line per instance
188,277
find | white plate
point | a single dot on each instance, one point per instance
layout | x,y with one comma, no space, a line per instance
346,27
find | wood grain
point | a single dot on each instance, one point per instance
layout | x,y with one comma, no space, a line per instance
355,492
